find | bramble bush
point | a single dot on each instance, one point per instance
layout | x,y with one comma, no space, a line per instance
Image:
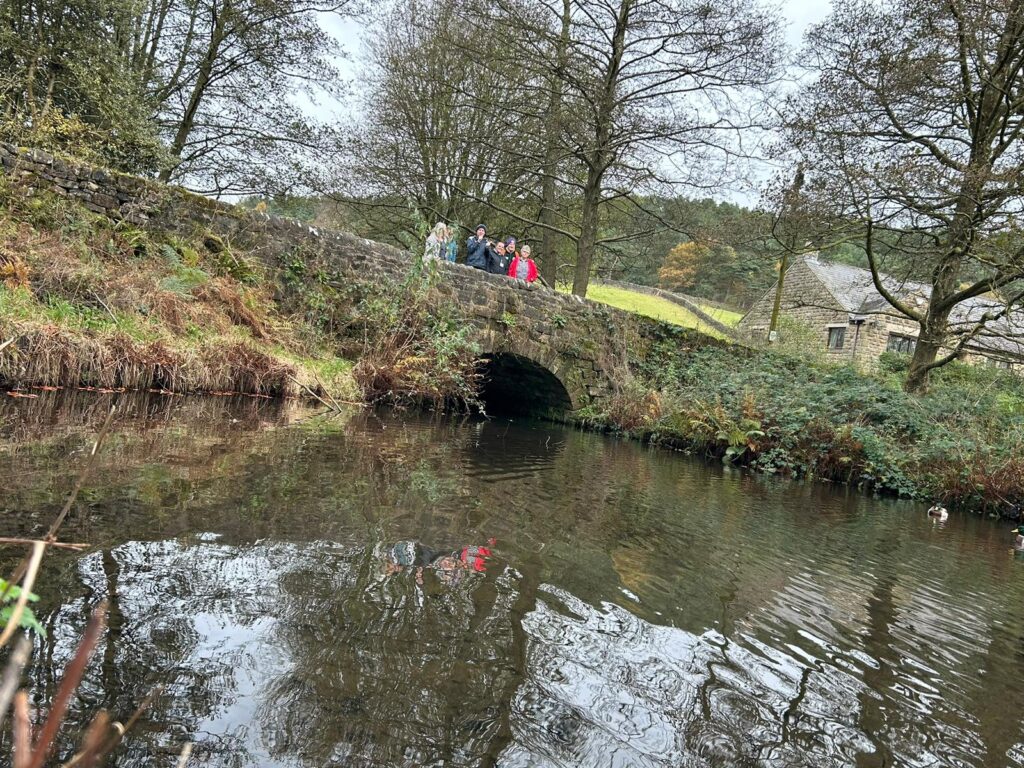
416,347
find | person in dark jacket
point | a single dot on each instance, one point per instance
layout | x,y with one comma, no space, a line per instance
496,258
504,253
478,250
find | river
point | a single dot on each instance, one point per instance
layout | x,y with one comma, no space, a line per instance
638,607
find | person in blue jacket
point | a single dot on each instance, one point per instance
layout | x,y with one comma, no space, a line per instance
477,249
451,248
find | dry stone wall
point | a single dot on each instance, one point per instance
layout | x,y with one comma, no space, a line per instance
687,303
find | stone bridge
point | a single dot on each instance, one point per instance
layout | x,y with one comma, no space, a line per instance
544,347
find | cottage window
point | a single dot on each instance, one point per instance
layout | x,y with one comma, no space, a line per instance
836,337
900,343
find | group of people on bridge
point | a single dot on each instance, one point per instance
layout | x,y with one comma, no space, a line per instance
497,257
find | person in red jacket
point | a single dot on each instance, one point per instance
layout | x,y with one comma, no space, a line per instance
522,266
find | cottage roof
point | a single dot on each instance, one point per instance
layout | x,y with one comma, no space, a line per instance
855,291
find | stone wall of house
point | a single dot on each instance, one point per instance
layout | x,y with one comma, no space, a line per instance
805,300
582,343
875,333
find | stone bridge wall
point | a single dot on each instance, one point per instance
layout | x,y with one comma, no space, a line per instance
585,345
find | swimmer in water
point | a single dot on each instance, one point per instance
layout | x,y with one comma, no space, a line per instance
449,565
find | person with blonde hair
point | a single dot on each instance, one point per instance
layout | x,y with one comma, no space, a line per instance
522,266
435,242
451,250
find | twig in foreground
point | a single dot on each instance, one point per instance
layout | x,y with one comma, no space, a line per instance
12,675
123,729
90,752
22,731
56,544
68,685
33,560
186,753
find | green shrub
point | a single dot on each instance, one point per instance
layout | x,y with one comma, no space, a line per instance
792,416
416,346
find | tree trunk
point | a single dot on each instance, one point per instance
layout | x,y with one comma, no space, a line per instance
945,280
549,260
929,342
587,243
600,156
198,91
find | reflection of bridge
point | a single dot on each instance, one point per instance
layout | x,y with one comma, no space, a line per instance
548,348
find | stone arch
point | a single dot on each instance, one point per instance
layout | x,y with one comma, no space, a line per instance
515,383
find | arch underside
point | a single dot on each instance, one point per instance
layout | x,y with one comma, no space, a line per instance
516,384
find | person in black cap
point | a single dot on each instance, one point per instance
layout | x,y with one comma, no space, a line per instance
477,249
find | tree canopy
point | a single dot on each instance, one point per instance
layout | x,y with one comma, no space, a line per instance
910,127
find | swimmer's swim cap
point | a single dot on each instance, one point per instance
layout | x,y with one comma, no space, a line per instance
474,556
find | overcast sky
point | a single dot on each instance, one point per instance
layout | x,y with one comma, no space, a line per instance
799,14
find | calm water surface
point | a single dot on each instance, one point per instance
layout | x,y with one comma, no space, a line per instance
640,608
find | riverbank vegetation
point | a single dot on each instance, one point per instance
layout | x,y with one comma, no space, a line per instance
91,302
962,442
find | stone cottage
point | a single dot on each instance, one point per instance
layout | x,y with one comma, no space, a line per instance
857,324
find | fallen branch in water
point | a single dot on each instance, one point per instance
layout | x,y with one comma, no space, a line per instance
326,391
337,404
7,540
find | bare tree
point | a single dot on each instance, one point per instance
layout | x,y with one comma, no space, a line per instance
657,88
585,105
423,139
912,126
225,75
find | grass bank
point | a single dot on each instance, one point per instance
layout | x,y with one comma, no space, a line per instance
962,443
657,308
724,316
91,302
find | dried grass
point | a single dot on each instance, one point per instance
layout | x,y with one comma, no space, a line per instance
230,297
99,306
52,356
14,272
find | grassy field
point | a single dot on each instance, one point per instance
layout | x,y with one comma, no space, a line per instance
724,316
656,307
